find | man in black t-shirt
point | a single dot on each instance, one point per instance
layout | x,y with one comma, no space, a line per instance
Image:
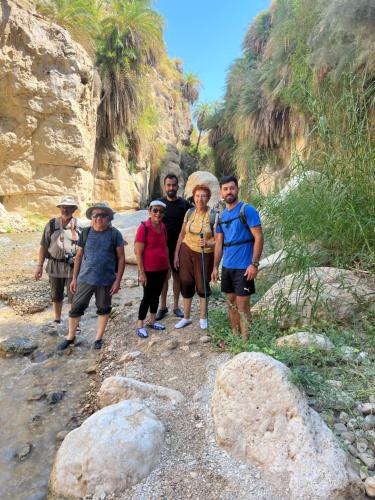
173,220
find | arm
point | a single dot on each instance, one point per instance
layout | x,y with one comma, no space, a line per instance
120,252
76,268
181,236
42,254
257,233
138,250
219,239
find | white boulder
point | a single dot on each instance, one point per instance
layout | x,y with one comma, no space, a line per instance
202,177
324,293
262,418
117,388
306,339
128,223
113,449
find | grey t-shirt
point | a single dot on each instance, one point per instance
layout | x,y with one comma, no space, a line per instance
98,266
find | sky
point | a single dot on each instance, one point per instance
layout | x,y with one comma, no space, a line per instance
207,35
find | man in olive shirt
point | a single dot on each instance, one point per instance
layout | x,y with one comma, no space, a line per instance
173,220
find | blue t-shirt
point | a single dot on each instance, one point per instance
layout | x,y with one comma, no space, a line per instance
238,256
98,266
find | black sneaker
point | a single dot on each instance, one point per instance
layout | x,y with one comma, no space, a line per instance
177,312
65,344
161,313
98,344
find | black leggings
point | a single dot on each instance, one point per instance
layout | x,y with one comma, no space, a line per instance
151,292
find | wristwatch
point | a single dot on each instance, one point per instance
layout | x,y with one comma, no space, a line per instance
255,263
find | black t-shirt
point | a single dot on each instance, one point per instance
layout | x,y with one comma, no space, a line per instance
174,217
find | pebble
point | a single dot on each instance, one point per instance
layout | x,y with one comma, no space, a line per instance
37,396
199,425
60,436
348,436
196,354
339,428
184,348
361,445
205,339
128,304
55,397
344,417
352,424
165,354
367,459
90,370
370,486
130,283
130,356
23,451
172,344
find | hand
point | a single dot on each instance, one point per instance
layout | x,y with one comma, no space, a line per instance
202,242
176,261
115,287
73,285
215,274
38,273
143,278
251,272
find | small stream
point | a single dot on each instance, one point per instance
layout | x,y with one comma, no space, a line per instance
28,416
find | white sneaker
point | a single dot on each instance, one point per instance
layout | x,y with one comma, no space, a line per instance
183,322
203,324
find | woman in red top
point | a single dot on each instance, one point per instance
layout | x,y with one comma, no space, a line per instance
153,264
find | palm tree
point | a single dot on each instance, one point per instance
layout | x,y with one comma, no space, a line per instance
130,41
190,87
201,113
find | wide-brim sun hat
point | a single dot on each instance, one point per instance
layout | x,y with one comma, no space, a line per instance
67,201
157,203
103,206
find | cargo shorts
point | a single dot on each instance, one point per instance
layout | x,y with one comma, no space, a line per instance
82,297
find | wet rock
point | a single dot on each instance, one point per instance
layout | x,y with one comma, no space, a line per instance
20,346
55,397
23,451
113,449
370,487
205,339
130,356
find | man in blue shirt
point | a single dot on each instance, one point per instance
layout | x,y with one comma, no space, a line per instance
239,240
98,268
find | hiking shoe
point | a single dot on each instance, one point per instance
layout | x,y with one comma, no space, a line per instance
98,344
161,313
65,344
142,332
177,312
203,324
183,322
156,326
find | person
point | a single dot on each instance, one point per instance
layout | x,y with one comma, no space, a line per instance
176,207
151,250
197,233
59,246
98,269
239,239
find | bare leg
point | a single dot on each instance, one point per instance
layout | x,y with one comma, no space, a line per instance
202,303
73,323
140,323
100,325
152,317
232,312
176,289
187,308
243,306
57,308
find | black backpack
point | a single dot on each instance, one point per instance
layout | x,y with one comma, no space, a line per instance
85,234
242,218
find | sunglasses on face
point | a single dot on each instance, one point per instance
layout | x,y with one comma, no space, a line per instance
99,216
160,211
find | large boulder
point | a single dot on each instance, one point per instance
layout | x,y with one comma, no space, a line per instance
127,224
18,346
117,388
201,177
324,293
262,418
306,340
113,449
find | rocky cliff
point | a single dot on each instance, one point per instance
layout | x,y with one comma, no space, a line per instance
50,93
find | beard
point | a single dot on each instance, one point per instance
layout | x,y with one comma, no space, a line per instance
230,198
172,193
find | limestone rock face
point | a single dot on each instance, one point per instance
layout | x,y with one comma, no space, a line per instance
115,389
262,418
113,449
202,177
306,339
47,112
326,293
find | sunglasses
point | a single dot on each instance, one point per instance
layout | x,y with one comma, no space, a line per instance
99,216
160,211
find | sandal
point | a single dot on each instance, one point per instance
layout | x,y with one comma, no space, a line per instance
161,313
142,332
156,326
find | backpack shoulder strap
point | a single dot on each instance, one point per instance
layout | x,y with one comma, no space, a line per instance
85,235
143,222
243,216
52,225
213,217
190,213
114,237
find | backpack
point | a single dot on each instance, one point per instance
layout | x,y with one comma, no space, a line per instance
85,235
213,214
242,217
53,227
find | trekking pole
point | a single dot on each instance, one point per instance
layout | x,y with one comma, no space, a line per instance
204,281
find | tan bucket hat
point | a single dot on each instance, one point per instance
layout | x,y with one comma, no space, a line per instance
103,206
67,201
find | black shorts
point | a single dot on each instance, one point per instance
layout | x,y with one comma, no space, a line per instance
234,281
82,297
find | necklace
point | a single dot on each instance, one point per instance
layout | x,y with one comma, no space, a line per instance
202,224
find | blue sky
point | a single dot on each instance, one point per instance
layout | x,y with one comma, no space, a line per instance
207,35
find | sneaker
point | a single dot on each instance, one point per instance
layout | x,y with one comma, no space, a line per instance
183,322
203,324
98,344
65,344
161,313
142,332
156,326
177,312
